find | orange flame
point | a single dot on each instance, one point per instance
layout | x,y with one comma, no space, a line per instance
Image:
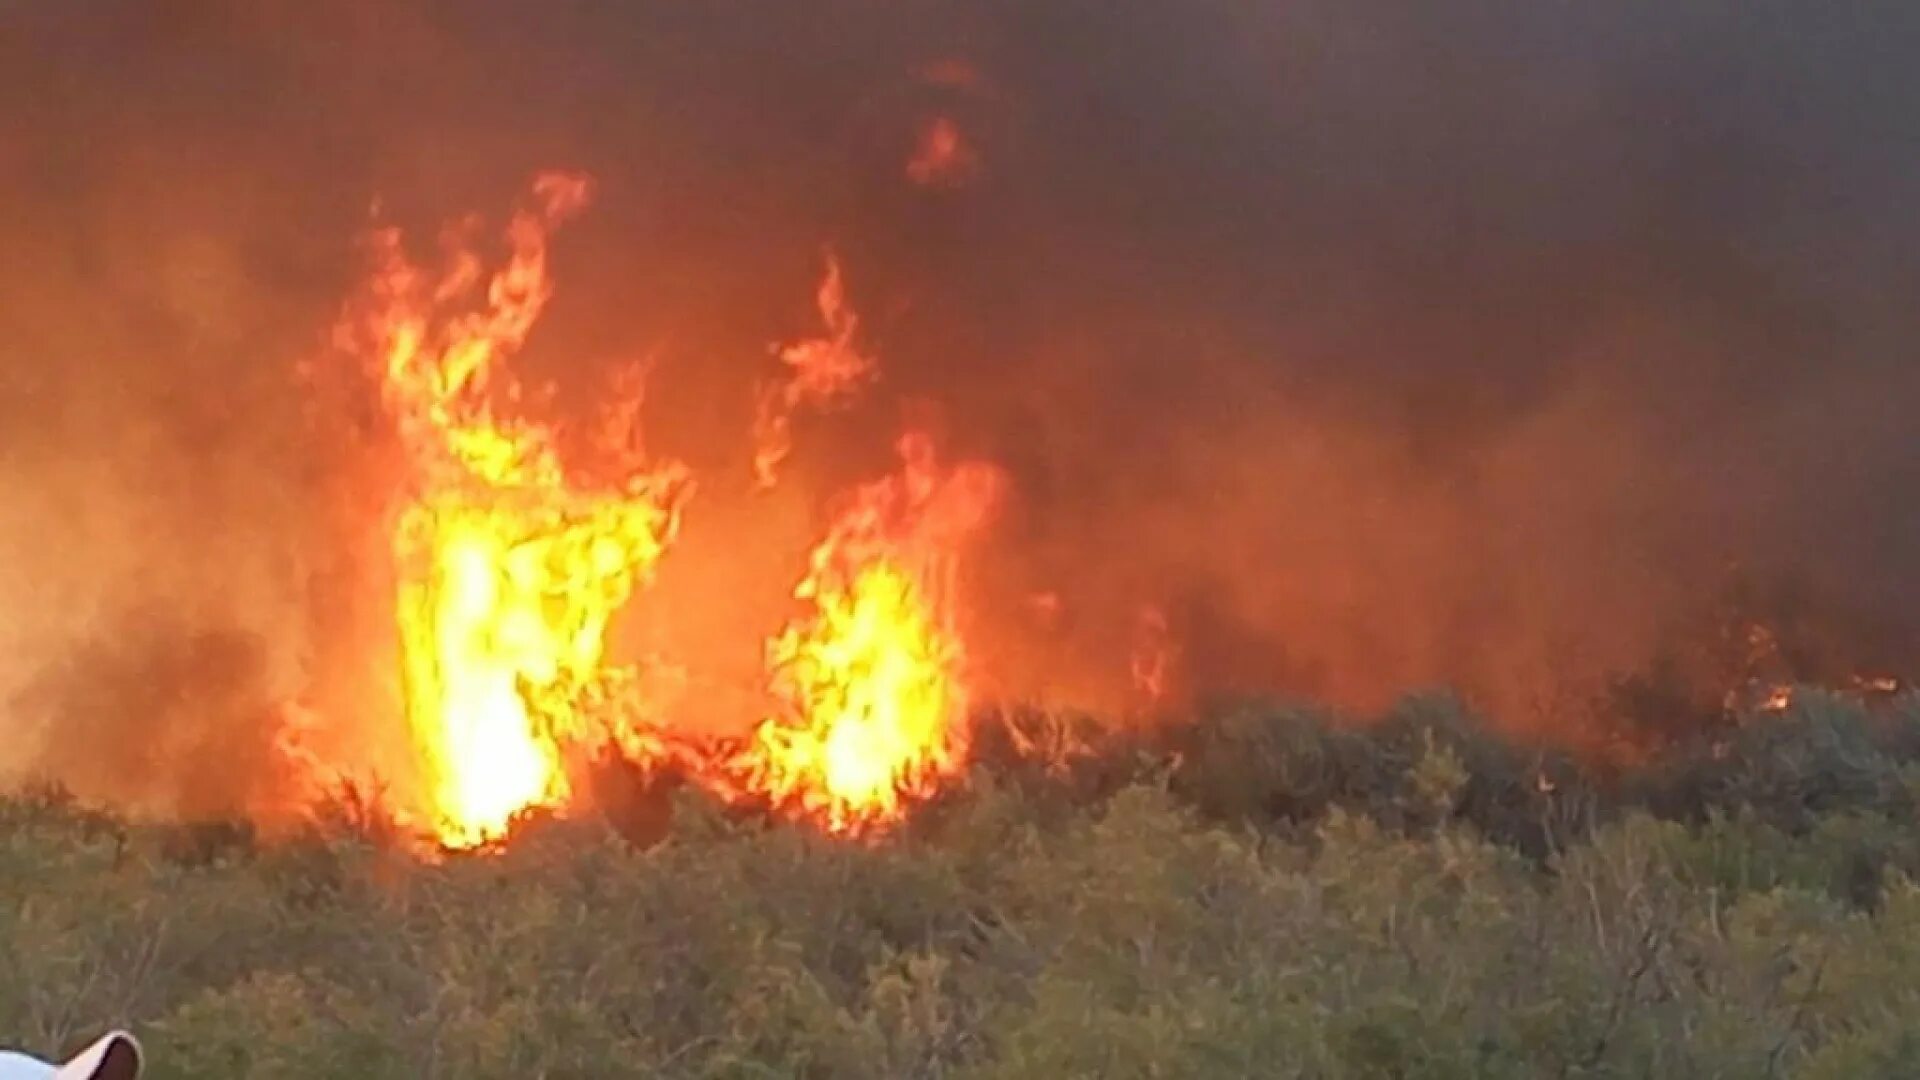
508,576
872,680
944,157
823,372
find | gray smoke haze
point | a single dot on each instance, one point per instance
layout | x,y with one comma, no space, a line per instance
1378,345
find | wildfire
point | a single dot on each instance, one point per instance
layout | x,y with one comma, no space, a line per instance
871,680
511,564
508,572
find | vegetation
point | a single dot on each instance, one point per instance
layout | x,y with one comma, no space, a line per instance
1269,895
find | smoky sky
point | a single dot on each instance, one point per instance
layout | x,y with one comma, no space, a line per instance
1379,344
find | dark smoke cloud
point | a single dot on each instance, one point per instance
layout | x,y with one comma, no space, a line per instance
1378,345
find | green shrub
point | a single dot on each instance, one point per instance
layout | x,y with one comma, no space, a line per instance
1276,894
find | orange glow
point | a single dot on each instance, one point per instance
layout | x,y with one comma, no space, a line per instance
508,575
871,681
944,157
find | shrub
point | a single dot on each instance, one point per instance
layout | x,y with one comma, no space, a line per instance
1276,894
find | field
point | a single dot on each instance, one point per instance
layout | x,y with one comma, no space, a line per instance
1276,895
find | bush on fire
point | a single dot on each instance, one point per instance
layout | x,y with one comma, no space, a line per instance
1285,896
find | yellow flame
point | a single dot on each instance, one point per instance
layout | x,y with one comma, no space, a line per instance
508,574
872,679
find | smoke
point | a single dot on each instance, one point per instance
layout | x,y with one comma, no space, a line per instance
1376,346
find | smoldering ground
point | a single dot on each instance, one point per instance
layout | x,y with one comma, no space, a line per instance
1376,346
